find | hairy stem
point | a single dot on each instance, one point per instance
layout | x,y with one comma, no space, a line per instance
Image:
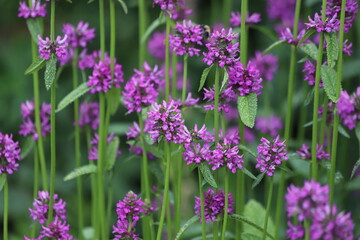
203,223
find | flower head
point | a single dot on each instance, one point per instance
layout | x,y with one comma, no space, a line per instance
90,60
226,96
36,10
286,34
80,35
48,47
332,24
310,70
93,151
9,154
333,7
305,153
57,229
269,125
175,8
348,107
266,64
282,10
156,45
235,19
89,115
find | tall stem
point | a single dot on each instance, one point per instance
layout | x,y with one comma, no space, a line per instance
102,28
323,120
142,29
288,120
226,11
203,223
36,184
183,95
216,230
267,214
244,35
174,76
166,189
6,210
167,59
226,207
331,179
307,229
216,105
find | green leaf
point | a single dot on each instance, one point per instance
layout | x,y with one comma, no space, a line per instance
36,27
310,49
249,236
247,172
327,165
332,49
328,76
300,166
309,97
123,5
248,150
189,222
354,184
304,59
111,153
258,180
2,181
50,72
273,46
247,106
26,147
119,128
204,76
342,131
356,166
72,96
253,224
155,169
207,174
113,99
225,81
77,172
306,36
155,24
36,65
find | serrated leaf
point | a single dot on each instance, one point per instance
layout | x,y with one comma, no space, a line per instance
207,174
27,147
306,36
2,181
248,150
77,172
309,97
248,173
155,24
72,96
247,106
342,131
328,76
224,81
50,72
332,48
113,99
310,49
259,178
111,153
35,26
124,6
356,166
273,46
36,65
204,75
188,223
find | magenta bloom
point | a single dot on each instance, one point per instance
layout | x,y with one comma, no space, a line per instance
48,47
221,49
28,127
286,34
310,70
90,60
134,133
9,154
93,151
227,96
270,154
186,39
89,115
235,19
332,24
282,10
348,108
165,120
269,125
36,10
305,152
244,80
156,45
57,229
176,9
214,205
266,64
101,79
295,232
333,7
347,47
80,35
41,207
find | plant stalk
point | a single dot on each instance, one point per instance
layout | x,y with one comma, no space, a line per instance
203,223
226,207
267,214
6,210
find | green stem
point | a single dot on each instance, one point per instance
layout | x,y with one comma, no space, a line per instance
36,184
267,214
303,114
6,210
244,35
167,59
331,179
216,230
183,95
203,223
307,230
288,120
226,11
166,189
174,76
216,105
102,28
142,29
112,35
323,120
52,20
240,187
179,194
168,221
226,207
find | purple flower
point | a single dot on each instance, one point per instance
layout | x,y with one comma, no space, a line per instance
165,120
235,19
80,35
305,153
349,108
332,24
28,126
347,47
56,230
244,80
36,10
175,8
214,205
93,151
270,154
186,39
282,10
9,154
134,133
48,47
156,45
41,207
269,125
101,79
90,60
89,115
310,70
121,231
333,7
221,49
226,96
286,34
266,64
295,232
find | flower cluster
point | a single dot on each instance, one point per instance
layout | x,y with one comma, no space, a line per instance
28,127
128,211
48,47
156,45
214,205
282,10
57,229
286,34
9,154
225,98
35,10
102,80
305,153
186,39
80,35
333,7
310,70
89,115
175,8
244,80
221,49
134,134
269,125
266,64
270,154
141,90
93,150
349,108
332,24
90,60
235,19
